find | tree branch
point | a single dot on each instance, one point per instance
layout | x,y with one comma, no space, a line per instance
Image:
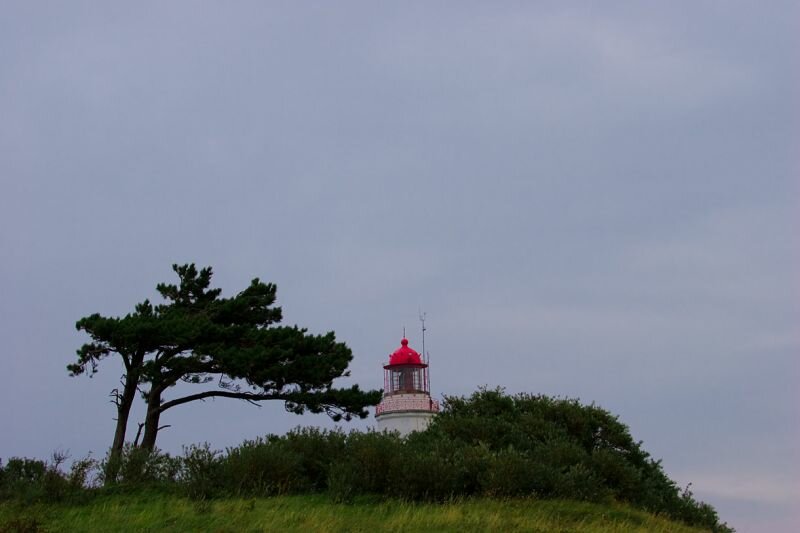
249,396
115,397
138,434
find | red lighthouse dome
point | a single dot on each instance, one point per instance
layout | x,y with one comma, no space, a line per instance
405,355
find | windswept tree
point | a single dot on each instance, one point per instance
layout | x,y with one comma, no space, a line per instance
198,337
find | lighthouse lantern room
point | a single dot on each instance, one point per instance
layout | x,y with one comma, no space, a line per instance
407,404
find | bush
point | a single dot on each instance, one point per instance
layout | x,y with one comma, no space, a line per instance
554,447
581,483
470,464
80,473
344,482
200,472
23,479
263,467
510,473
138,467
422,476
318,451
364,465
621,477
31,480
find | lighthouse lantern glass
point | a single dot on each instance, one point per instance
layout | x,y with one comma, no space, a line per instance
406,379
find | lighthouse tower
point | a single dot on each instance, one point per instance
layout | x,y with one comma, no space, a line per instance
407,404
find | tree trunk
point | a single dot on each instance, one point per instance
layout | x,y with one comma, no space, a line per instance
123,412
152,418
124,404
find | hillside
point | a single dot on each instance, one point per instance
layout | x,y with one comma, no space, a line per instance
157,512
510,461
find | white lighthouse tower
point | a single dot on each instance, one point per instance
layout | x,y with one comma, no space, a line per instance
407,404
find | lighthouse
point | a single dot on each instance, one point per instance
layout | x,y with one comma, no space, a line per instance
407,404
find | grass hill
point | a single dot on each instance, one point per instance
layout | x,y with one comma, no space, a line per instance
155,512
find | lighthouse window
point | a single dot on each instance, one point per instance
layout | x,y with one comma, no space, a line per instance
406,380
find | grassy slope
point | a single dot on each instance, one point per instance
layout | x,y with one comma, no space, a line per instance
155,512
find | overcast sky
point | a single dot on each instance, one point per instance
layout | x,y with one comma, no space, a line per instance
596,201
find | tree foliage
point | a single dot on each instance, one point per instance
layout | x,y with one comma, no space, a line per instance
196,336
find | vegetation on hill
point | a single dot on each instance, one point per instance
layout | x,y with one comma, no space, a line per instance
489,446
156,512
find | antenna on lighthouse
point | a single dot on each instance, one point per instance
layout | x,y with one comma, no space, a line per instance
422,320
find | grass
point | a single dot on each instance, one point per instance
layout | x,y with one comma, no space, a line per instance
153,512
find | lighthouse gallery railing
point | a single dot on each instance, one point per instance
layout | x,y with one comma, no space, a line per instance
407,402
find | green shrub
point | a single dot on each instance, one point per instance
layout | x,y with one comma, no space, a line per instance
23,479
470,464
560,453
364,466
556,447
200,472
581,483
422,475
618,474
263,467
31,480
137,467
21,470
511,473
318,450
80,473
344,482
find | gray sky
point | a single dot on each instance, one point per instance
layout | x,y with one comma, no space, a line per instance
592,201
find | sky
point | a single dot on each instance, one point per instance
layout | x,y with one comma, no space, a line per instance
591,200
